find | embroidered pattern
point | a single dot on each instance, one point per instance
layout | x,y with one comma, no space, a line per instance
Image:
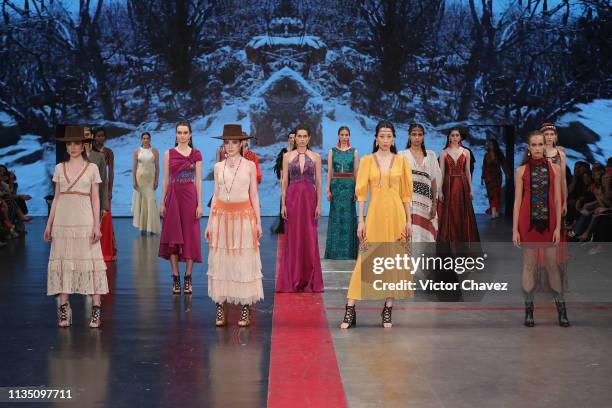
539,206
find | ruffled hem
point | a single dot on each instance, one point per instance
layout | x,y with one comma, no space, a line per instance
83,277
244,293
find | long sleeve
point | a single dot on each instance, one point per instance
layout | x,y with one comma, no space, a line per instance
406,181
362,183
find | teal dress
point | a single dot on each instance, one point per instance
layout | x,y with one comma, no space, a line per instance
342,242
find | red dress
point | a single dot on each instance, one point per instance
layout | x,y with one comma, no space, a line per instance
109,245
180,233
457,219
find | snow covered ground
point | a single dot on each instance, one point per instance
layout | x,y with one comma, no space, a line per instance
35,177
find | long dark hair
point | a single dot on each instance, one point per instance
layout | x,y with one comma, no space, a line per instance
410,129
384,124
497,151
184,123
530,135
305,127
449,133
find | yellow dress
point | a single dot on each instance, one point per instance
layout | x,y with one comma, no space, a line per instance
386,216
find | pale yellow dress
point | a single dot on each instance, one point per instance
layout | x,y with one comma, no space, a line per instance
75,264
144,203
385,220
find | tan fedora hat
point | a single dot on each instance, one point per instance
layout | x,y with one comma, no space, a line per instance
233,132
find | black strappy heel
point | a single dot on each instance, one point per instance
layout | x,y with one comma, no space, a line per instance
64,314
96,317
350,316
221,314
176,285
188,288
386,316
245,316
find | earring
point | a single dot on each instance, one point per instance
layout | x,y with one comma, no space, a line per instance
528,153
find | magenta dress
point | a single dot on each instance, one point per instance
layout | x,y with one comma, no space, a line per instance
300,266
180,232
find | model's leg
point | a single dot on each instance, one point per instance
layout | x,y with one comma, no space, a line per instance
554,278
530,259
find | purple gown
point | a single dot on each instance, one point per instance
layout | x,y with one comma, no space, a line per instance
180,232
300,265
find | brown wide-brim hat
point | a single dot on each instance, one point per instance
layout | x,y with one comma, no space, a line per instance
73,134
233,132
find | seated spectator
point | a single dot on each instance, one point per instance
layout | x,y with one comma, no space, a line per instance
600,227
12,206
575,190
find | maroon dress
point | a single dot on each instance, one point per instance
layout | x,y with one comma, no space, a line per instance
180,228
457,219
300,264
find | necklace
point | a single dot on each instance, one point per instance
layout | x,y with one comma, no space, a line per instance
233,163
227,192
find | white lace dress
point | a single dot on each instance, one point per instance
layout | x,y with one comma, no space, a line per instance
75,264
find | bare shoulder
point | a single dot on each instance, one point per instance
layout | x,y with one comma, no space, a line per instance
315,156
520,170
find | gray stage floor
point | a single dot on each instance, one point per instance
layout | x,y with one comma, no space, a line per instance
476,354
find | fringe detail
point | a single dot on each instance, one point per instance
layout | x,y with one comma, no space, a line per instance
228,218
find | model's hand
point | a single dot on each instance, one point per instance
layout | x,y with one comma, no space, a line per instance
317,212
135,185
361,231
162,210
96,234
284,212
471,195
441,197
207,234
329,195
407,233
556,236
259,231
103,213
433,211
199,212
516,239
47,234
155,185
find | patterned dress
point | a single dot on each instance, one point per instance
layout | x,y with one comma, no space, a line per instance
424,228
342,242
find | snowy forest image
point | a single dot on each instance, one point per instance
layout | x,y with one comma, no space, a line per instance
143,65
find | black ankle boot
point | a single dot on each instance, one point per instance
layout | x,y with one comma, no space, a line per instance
529,322
562,311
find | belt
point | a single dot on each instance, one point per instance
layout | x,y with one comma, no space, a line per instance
343,175
75,193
